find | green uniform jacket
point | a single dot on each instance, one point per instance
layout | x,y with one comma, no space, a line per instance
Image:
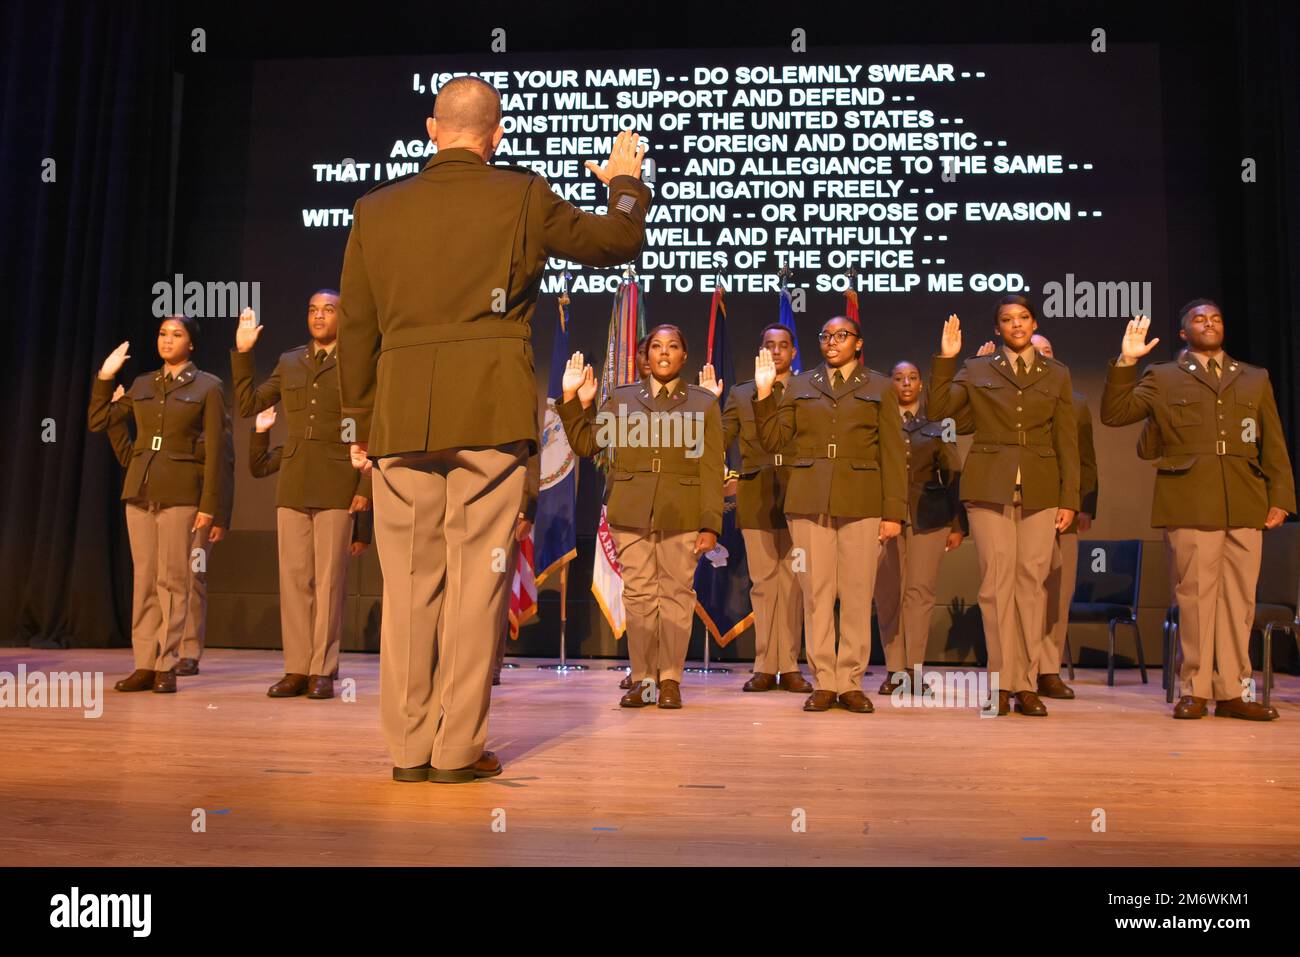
1025,425
440,280
264,460
1088,485
843,464
119,436
655,487
933,477
1212,472
760,492
315,469
181,432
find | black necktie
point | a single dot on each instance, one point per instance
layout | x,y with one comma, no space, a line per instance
837,380
777,389
908,417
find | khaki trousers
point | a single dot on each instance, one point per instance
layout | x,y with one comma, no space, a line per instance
196,619
160,555
313,578
776,599
1214,572
905,589
444,523
1015,555
659,597
1062,576
836,558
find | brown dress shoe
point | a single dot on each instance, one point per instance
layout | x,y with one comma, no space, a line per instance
186,667
290,686
793,681
1190,706
1004,703
334,675
487,766
819,701
1030,705
761,681
670,694
626,683
1051,686
857,702
418,773
164,682
1249,710
139,680
640,695
320,686
889,686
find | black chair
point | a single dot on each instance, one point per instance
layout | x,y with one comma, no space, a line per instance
1277,593
1110,594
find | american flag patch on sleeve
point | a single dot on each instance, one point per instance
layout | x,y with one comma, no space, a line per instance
625,203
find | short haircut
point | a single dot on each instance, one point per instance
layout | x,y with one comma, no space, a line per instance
324,292
1184,312
675,329
468,104
1014,300
904,362
857,329
776,327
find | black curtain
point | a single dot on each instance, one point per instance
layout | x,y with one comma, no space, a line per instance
89,86
94,86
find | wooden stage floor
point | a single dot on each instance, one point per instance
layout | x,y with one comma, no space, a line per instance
720,782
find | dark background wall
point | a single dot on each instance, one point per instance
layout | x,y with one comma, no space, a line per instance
150,141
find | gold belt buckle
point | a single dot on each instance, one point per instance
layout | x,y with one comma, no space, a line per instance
831,451
776,459
307,434
1221,447
656,465
156,444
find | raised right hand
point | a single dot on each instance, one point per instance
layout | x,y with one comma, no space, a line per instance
624,158
950,344
987,349
1135,344
573,376
764,374
116,359
248,331
587,391
265,419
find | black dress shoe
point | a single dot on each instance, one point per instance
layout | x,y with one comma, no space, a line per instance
419,773
139,680
186,667
1030,705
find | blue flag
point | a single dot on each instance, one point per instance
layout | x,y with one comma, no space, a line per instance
722,575
555,535
787,319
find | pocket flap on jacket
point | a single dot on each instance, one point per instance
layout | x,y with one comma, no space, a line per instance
1176,463
864,464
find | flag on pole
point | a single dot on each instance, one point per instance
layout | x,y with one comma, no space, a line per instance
523,588
554,530
626,327
851,303
722,575
787,319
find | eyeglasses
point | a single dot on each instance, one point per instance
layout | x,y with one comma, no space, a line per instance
840,336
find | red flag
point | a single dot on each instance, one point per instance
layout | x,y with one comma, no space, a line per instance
523,590
851,304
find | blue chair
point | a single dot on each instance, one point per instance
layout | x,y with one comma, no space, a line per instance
1109,582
